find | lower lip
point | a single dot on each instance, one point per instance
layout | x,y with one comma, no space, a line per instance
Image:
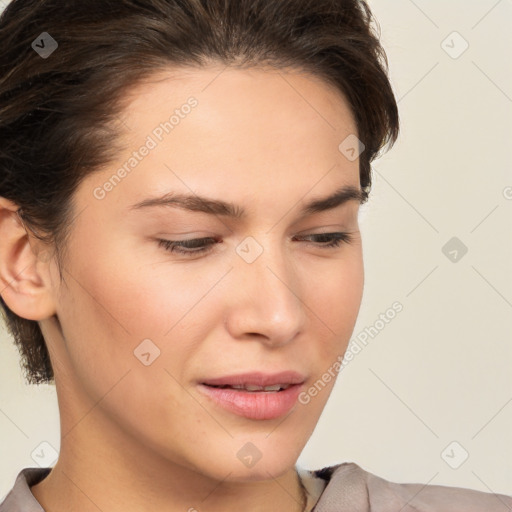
257,405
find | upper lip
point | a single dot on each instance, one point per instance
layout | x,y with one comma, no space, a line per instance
257,379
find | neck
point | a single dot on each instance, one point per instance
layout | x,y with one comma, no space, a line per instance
64,489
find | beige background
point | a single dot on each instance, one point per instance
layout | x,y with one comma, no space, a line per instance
438,372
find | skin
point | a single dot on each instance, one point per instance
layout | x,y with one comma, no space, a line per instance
136,437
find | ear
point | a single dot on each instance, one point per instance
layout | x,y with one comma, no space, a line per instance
25,284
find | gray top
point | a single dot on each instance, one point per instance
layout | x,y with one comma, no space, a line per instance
342,488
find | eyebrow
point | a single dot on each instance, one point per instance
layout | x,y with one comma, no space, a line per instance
212,206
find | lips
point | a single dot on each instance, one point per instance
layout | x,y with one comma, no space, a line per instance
256,395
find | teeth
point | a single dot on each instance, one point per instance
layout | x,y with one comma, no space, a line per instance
248,387
251,388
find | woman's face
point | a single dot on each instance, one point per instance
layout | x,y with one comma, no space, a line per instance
140,328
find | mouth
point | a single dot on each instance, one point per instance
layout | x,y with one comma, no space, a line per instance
255,396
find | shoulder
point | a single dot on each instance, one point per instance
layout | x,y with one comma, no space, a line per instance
20,498
351,488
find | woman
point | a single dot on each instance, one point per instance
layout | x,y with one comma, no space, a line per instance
179,206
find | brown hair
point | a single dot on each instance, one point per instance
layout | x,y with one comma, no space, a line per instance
57,113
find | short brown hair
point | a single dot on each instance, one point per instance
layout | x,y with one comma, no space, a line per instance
56,112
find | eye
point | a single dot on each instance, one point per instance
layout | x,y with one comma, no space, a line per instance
202,245
334,239
192,246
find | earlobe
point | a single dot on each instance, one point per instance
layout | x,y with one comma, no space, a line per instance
24,278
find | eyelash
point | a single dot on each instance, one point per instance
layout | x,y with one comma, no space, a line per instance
178,247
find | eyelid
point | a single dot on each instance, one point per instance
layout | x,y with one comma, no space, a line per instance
180,246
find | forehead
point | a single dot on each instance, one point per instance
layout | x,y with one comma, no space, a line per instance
263,96
251,134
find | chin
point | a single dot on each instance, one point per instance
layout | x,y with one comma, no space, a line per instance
261,457
261,471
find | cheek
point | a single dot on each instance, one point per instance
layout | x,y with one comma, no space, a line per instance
105,319
106,310
124,294
334,298
335,291
132,306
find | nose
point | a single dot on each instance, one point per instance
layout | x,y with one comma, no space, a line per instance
266,300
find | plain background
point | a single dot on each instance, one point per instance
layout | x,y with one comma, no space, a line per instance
440,371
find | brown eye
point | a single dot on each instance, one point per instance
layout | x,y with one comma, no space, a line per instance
192,246
333,239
